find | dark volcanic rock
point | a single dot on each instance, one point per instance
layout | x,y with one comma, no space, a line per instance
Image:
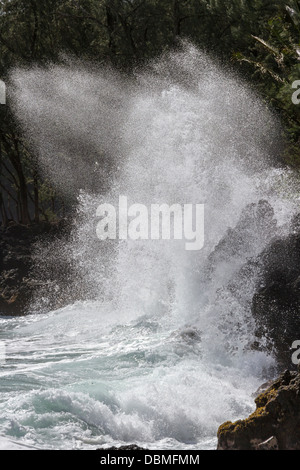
260,262
255,227
17,280
274,425
276,302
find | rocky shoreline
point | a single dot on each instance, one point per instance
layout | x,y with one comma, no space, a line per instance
274,425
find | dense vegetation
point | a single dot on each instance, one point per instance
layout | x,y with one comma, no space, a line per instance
258,37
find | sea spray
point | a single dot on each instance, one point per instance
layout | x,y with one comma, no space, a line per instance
181,131
154,342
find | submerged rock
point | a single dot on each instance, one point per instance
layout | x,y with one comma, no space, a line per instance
275,424
122,448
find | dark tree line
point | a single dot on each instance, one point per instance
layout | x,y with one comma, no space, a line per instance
259,37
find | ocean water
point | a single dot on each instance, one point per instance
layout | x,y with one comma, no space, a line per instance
78,378
155,346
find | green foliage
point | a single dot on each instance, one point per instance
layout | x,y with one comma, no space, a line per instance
274,56
259,37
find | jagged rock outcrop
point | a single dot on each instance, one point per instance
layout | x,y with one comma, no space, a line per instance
274,425
255,227
273,276
276,302
266,282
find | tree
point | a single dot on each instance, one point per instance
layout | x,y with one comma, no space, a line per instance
260,38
